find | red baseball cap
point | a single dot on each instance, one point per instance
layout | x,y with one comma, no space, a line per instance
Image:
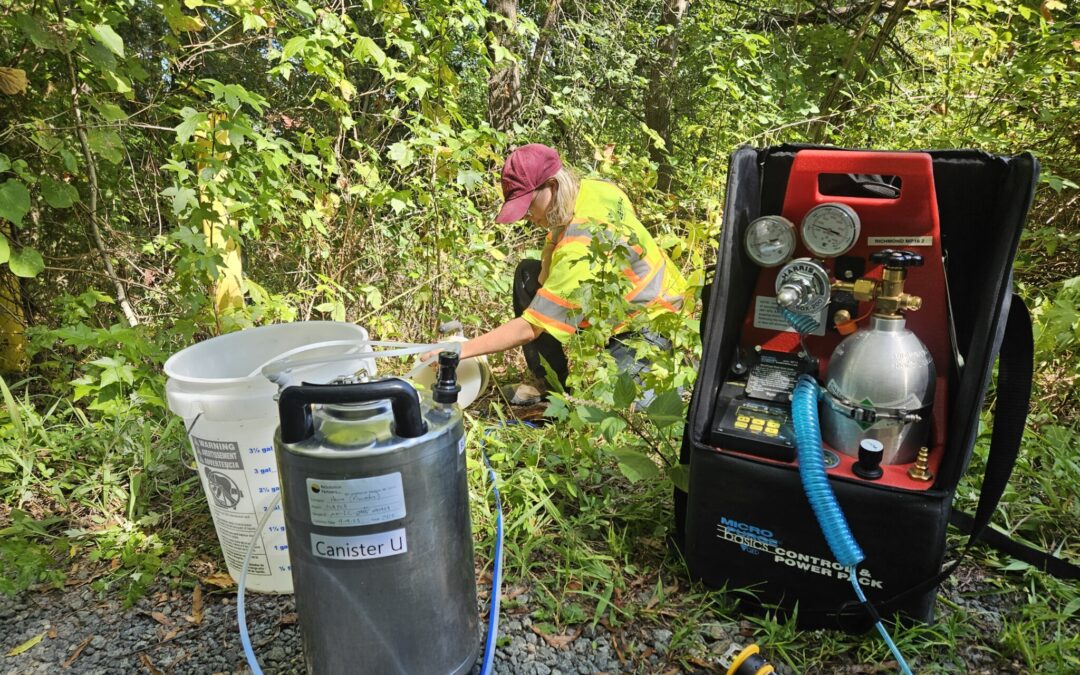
524,172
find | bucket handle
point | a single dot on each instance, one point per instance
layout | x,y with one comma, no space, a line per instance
280,369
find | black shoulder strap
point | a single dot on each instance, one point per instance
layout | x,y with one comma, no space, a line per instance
1015,365
1014,390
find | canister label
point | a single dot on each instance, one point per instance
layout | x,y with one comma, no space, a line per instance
356,501
359,547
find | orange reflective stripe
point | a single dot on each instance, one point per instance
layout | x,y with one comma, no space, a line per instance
643,283
551,297
549,322
572,240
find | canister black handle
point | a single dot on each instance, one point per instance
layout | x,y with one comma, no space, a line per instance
294,405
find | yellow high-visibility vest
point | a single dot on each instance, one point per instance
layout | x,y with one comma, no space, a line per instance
602,209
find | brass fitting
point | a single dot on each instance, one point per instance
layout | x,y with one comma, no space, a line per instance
920,470
864,290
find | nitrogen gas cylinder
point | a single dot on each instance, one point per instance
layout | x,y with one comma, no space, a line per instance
377,517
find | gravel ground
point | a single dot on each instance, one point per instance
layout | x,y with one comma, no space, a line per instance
89,634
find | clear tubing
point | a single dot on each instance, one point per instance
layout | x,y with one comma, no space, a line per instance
241,614
282,370
804,414
880,628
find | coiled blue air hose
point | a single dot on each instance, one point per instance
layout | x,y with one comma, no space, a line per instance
804,415
803,323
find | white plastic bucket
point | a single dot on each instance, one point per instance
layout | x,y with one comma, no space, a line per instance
228,407
473,375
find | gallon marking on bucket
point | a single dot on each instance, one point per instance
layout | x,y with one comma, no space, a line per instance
360,547
356,501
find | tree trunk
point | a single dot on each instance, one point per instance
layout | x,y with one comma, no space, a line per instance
536,61
658,99
504,85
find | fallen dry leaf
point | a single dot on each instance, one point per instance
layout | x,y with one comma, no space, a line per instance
78,650
196,606
29,644
161,618
288,619
558,641
51,632
219,579
12,81
149,665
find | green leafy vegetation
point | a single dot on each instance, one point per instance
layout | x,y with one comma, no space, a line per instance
347,156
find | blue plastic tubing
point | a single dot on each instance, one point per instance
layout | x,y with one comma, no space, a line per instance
804,413
496,575
801,322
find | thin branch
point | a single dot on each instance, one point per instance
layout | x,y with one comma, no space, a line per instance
121,293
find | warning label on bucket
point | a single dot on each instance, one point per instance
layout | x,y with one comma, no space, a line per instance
357,501
218,454
232,497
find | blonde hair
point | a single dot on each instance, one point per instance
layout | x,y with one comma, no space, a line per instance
563,199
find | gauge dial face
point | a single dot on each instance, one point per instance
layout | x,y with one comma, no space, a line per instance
770,240
829,230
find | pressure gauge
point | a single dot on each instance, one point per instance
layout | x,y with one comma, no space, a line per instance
770,240
829,230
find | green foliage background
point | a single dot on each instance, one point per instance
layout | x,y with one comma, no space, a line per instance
351,146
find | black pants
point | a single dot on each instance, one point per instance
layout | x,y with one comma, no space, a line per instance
526,285
546,347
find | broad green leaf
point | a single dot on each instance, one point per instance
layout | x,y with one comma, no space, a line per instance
119,83
178,21
100,56
304,9
110,111
104,34
191,122
181,198
680,476
666,409
5,249
591,414
401,154
635,465
366,49
14,201
5,163
611,427
292,47
58,194
107,143
33,29
26,263
625,390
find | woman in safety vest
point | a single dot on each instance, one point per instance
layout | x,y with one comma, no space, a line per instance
536,186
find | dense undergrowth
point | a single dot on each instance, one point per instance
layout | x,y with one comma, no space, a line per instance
347,153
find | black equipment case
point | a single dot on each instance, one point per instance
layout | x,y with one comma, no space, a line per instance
745,521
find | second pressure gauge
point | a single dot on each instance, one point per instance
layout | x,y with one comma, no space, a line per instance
829,230
770,240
